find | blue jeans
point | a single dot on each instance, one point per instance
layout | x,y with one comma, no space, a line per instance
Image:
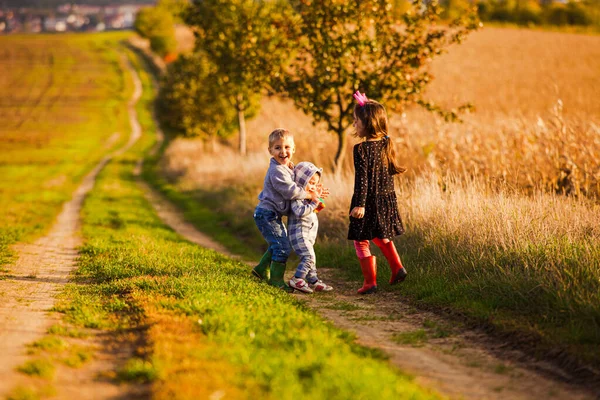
271,226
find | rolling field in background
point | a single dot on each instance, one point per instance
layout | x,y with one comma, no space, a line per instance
62,109
536,125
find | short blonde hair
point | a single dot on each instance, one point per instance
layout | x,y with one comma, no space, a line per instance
279,133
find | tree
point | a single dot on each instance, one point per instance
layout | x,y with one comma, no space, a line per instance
177,8
157,24
361,45
248,41
187,100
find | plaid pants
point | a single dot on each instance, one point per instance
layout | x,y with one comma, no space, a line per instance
303,234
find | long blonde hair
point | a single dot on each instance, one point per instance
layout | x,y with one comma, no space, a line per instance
374,120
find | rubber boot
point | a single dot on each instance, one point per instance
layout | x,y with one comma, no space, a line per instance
261,271
398,271
276,278
369,270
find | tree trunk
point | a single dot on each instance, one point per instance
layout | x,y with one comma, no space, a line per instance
212,144
242,124
340,155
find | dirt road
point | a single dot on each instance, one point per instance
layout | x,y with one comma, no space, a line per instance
439,353
28,292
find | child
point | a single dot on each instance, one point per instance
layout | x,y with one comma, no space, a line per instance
274,202
303,225
374,210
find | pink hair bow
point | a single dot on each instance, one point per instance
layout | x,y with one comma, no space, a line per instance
361,98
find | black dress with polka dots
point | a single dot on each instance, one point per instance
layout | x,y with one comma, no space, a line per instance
374,190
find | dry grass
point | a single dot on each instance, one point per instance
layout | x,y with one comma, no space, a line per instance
537,124
520,138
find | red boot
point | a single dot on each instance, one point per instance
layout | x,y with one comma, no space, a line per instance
369,270
390,253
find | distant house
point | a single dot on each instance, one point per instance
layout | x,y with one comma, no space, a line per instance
114,21
56,23
69,17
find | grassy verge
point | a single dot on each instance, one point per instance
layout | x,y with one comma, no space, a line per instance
544,297
208,329
62,110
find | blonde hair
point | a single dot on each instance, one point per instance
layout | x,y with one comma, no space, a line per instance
374,120
279,133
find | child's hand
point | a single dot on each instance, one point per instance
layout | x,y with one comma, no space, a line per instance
357,212
324,191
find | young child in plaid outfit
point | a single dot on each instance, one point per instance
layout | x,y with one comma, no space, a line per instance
303,225
274,202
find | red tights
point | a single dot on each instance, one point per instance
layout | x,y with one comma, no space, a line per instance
362,247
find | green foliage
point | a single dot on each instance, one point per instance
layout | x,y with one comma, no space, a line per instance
157,24
248,42
534,12
381,56
190,101
570,14
453,9
175,7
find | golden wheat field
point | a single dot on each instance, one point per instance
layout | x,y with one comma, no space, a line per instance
536,124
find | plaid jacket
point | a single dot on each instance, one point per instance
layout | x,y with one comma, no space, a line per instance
303,223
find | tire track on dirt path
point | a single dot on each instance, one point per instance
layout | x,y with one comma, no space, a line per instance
458,362
39,273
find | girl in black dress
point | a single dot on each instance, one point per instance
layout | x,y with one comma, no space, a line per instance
374,209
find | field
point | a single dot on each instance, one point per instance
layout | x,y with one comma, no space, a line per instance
490,232
188,322
61,112
492,239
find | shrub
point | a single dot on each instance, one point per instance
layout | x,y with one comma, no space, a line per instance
157,24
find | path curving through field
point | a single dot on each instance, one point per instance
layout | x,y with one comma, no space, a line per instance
462,365
457,362
41,269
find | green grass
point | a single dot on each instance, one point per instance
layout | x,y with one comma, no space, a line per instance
436,329
547,296
41,367
63,98
415,338
31,393
207,326
61,330
48,344
138,370
343,306
77,357
23,393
